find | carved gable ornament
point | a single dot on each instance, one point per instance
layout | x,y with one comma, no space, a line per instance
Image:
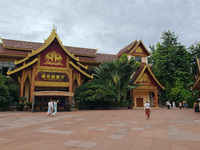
53,58
139,50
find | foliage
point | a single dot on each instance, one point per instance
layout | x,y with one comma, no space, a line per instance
9,92
94,93
117,73
23,99
27,103
171,64
20,106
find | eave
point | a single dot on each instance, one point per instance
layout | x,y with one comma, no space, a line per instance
22,67
81,71
85,67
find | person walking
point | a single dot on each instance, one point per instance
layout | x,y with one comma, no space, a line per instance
55,107
50,108
180,105
167,103
173,105
196,107
147,109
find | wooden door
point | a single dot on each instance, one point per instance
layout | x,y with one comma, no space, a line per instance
139,102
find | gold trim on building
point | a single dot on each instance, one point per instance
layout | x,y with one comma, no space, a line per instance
51,84
22,67
76,67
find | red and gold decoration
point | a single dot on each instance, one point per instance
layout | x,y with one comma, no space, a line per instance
53,56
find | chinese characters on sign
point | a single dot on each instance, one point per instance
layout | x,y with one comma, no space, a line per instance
52,76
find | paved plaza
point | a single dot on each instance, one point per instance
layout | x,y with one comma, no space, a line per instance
101,130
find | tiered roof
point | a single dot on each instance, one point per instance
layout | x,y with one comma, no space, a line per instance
81,55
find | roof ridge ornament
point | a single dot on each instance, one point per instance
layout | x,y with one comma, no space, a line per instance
54,28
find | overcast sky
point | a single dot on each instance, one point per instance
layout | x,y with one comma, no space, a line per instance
108,25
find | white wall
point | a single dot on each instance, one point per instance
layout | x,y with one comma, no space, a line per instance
142,94
145,59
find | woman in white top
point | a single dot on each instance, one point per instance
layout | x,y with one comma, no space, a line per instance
50,108
147,109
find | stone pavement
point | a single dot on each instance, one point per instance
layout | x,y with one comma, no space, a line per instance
101,130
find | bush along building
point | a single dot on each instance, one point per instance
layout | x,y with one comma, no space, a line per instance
51,70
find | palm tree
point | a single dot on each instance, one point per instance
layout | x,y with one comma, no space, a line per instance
117,73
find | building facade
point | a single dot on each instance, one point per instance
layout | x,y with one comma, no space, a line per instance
51,70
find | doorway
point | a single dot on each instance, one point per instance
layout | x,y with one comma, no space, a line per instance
139,102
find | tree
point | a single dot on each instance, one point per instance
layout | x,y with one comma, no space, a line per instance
117,73
95,93
9,92
171,64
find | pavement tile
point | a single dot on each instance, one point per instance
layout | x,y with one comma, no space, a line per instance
179,147
72,143
56,131
138,129
100,130
116,137
87,144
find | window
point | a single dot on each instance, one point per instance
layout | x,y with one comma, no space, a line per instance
137,58
5,66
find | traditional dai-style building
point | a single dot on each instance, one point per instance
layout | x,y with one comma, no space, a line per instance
51,70
196,86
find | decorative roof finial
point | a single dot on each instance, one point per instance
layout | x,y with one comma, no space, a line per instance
54,27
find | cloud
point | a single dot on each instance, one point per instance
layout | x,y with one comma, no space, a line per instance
104,24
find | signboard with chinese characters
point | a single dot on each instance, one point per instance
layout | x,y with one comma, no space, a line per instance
52,76
53,56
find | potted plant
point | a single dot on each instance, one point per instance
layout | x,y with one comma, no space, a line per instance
28,104
20,106
22,99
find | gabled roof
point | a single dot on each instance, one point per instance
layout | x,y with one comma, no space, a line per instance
126,48
131,48
140,71
49,40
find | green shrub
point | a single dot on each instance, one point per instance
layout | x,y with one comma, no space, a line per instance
23,99
27,103
20,106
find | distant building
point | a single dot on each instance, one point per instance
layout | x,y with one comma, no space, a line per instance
196,86
51,70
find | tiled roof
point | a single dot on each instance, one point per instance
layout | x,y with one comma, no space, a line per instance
14,44
125,49
81,51
138,71
13,52
99,58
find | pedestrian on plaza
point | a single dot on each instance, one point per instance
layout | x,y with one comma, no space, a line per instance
180,105
170,105
196,107
173,105
185,105
147,109
167,103
55,102
50,108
